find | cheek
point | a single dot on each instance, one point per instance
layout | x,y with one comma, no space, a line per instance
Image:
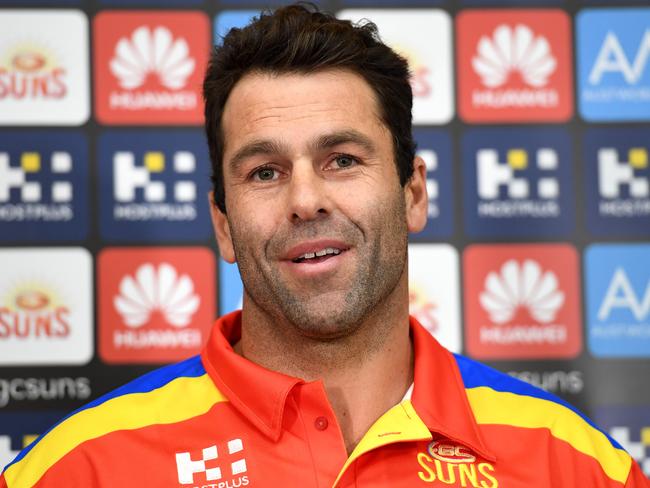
251,225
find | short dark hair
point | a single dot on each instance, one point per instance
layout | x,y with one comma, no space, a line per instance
300,39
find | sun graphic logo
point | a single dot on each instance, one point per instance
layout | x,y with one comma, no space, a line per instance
520,286
156,291
423,308
152,53
32,71
514,51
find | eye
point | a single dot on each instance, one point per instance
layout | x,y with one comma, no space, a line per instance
265,174
344,161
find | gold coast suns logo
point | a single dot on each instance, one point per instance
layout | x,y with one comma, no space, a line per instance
451,464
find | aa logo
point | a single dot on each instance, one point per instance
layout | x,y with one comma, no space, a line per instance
618,299
613,71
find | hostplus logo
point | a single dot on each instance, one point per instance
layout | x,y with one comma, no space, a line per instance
434,147
129,177
523,301
217,466
616,173
153,178
512,186
44,320
155,305
613,64
149,66
514,66
618,299
426,45
43,181
618,181
630,427
43,75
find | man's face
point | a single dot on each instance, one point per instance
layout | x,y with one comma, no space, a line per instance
316,217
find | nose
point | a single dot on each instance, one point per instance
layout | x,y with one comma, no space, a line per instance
307,193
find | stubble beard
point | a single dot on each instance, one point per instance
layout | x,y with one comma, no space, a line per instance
318,315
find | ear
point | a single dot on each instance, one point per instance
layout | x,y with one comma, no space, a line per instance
415,193
222,232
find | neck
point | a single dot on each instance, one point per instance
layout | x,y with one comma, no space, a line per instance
365,373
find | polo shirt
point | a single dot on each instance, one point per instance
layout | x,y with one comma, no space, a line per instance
220,421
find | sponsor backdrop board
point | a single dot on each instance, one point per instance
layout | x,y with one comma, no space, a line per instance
533,119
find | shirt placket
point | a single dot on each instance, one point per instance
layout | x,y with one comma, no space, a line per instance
322,433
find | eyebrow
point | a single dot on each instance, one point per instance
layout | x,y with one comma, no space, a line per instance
253,148
328,141
323,142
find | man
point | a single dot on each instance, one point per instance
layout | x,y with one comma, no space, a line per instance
321,380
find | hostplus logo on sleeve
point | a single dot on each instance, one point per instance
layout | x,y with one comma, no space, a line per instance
43,74
149,67
522,301
518,183
426,44
514,65
217,466
613,50
618,299
617,181
434,147
630,427
154,178
43,186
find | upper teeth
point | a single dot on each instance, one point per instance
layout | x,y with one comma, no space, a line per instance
322,252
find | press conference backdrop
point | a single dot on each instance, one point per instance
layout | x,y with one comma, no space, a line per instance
533,118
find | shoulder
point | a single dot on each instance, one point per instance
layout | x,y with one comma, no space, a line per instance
501,401
167,395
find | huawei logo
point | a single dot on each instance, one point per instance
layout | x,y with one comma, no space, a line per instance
514,50
521,285
156,290
150,53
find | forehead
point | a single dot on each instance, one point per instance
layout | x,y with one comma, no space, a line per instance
294,107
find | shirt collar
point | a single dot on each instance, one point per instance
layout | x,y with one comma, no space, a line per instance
258,393
438,395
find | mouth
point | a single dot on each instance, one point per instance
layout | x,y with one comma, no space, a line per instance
318,256
324,252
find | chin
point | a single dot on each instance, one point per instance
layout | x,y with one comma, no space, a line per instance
327,325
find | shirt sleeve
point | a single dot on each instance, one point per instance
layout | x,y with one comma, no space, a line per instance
636,478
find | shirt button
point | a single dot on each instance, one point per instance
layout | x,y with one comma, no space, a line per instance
321,423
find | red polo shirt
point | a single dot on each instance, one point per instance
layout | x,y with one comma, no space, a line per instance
220,421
